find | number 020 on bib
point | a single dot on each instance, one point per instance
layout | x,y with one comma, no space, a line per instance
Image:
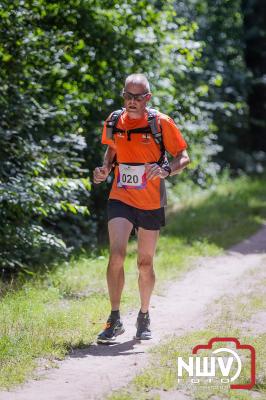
131,176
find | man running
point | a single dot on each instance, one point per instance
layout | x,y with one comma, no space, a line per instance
138,195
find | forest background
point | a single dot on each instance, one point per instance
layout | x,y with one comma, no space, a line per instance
63,66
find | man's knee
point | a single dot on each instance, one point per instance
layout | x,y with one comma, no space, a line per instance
145,263
117,256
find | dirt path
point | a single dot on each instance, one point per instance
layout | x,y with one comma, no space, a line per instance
94,372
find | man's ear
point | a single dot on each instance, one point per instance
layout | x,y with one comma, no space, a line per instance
148,97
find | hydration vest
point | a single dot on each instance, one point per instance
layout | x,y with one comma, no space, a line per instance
153,128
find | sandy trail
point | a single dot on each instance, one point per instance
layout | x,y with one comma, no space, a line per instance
94,372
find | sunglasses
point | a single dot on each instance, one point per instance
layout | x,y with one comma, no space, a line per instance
131,96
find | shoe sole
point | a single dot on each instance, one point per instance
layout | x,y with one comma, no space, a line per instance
142,337
112,339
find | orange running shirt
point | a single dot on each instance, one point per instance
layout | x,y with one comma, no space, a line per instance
141,148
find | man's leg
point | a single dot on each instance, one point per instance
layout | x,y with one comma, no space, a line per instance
147,241
146,248
119,231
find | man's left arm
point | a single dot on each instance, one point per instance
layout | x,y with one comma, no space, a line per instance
176,165
179,162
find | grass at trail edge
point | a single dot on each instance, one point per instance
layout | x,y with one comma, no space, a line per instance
48,316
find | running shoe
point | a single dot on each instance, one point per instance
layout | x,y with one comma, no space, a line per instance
143,327
112,329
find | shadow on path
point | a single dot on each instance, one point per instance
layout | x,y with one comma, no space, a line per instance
114,349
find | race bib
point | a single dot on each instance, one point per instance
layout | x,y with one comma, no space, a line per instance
131,176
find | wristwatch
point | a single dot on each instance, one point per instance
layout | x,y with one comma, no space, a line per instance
168,169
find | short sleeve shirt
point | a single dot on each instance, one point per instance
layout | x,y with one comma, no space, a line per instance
141,149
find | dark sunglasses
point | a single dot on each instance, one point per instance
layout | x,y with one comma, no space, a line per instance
131,96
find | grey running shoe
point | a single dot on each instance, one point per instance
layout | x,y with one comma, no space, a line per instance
112,329
143,327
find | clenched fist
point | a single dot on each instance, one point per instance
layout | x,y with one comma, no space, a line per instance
100,174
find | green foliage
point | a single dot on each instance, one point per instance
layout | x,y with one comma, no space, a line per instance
180,89
62,70
254,32
226,74
44,185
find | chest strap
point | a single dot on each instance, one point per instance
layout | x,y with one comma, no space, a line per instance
145,130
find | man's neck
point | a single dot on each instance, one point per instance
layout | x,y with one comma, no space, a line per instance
136,115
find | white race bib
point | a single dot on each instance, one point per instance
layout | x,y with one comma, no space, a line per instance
131,176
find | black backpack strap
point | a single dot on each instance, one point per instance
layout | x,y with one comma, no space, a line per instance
112,122
155,127
156,130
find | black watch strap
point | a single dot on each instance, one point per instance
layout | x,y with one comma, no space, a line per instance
168,169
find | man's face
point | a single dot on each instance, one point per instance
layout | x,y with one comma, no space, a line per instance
135,106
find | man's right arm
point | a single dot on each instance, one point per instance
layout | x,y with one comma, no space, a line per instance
101,173
108,158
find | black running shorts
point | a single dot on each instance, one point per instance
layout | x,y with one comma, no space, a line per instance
147,219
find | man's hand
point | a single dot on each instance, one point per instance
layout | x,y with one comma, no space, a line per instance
154,171
100,174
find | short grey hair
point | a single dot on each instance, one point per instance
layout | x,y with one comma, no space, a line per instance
139,79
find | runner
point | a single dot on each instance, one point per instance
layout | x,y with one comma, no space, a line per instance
137,138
